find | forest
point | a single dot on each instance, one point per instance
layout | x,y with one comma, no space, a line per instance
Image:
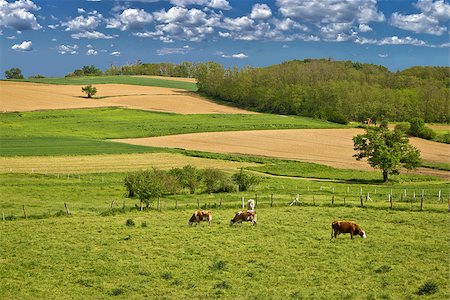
338,91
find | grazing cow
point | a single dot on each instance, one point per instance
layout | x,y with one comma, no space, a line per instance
244,216
338,227
251,204
199,216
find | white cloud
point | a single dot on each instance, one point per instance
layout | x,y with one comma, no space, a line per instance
115,53
260,11
219,4
238,55
181,15
89,46
81,10
170,51
91,52
81,23
216,4
395,40
17,15
54,40
433,18
364,28
92,35
13,37
383,55
24,46
68,49
130,19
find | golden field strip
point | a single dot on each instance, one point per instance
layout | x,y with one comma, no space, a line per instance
110,163
331,147
25,96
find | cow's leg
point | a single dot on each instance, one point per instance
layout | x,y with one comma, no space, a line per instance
351,235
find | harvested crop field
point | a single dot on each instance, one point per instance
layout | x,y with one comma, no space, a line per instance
331,147
110,163
24,96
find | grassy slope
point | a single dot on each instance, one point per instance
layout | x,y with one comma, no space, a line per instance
145,81
288,255
39,133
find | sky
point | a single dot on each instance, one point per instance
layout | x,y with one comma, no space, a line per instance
54,37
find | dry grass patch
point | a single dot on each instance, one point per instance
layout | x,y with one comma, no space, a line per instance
24,96
110,163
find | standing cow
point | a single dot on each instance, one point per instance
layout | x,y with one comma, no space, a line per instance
199,216
338,227
244,216
251,204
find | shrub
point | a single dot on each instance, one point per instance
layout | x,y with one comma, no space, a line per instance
89,90
38,76
13,73
129,223
428,288
404,127
416,125
144,224
215,180
245,180
427,133
188,177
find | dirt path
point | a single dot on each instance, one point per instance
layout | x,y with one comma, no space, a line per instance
24,96
331,147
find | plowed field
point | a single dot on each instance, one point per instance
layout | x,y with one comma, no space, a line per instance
332,147
23,96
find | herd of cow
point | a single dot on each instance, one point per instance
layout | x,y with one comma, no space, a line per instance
249,215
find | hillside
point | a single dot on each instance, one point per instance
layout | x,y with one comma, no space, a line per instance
338,91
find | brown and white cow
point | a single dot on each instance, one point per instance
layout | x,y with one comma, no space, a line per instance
199,216
244,216
338,227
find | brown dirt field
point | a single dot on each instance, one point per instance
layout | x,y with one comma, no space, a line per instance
331,147
24,96
183,79
110,163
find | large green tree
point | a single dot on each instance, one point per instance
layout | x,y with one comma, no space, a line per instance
386,150
13,73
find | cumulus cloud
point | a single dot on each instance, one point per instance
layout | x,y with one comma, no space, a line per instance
383,55
395,40
17,15
130,19
68,49
81,10
237,55
91,52
92,35
81,23
216,4
260,11
364,28
115,53
24,46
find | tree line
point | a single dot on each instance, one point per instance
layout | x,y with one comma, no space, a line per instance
338,91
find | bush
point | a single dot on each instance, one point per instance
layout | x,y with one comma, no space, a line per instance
13,73
188,177
404,127
130,223
428,288
38,76
427,133
89,90
215,180
416,125
245,180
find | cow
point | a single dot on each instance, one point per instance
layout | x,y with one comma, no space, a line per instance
244,216
251,204
199,216
338,227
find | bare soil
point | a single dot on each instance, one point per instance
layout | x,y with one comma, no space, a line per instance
24,96
331,147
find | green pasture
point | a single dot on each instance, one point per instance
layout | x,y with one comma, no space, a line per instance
288,255
123,79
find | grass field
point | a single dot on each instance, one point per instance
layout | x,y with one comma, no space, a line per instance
288,255
145,81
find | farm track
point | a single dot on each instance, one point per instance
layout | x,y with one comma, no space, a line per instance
331,147
24,96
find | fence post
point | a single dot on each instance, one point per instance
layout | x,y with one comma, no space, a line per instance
344,200
243,202
414,196
24,211
271,200
220,202
3,214
332,200
390,199
112,204
361,199
439,196
140,206
421,200
67,209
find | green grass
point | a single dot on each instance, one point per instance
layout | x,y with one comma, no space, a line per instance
49,146
49,128
436,165
145,81
288,255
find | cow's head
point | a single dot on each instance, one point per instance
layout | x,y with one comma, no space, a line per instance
232,222
362,233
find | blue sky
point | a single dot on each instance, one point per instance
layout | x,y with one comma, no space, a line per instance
54,37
